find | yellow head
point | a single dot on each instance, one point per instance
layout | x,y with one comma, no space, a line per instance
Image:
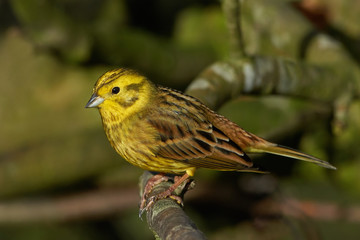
121,92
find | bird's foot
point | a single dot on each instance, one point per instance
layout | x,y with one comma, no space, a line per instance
153,181
146,203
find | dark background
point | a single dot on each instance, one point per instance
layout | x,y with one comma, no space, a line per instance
59,177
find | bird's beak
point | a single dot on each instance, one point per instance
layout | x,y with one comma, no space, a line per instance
94,101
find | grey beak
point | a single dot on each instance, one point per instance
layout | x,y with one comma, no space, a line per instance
94,101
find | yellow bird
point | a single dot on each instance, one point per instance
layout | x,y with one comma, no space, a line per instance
163,130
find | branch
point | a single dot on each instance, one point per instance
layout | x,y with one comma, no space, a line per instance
232,11
165,217
226,80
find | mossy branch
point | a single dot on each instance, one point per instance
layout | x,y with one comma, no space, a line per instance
264,75
165,217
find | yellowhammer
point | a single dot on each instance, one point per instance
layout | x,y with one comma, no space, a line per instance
166,131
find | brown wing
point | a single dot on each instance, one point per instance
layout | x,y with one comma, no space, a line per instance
187,135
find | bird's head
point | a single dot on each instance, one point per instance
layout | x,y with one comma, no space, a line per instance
121,90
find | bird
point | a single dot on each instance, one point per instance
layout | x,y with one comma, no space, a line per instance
166,131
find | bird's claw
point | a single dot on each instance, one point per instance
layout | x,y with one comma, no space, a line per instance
145,206
177,199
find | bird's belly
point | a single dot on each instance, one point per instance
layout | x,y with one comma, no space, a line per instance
158,164
134,144
147,161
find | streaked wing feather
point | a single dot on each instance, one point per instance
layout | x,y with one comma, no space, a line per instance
188,145
224,159
187,135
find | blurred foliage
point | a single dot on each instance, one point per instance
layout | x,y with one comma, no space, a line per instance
52,52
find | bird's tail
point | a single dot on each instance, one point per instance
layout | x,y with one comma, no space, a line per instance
288,152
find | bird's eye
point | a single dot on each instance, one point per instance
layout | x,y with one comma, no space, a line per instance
115,90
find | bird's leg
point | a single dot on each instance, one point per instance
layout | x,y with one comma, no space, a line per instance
167,193
177,181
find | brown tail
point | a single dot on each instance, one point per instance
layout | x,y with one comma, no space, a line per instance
288,152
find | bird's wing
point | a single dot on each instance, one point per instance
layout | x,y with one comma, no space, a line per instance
185,134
